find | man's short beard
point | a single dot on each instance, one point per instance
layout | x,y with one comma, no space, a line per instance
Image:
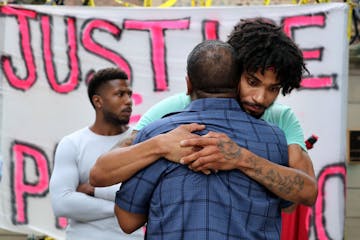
115,120
257,115
250,112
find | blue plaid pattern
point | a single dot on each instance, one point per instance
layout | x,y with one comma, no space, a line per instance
182,204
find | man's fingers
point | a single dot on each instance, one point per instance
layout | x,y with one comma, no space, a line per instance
213,135
206,168
192,127
200,142
202,162
206,172
189,159
208,151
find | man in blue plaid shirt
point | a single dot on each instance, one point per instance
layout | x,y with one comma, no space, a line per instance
177,203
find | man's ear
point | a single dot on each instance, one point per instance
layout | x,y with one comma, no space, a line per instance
97,101
188,85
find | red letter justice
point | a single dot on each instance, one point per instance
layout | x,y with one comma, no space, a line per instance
21,187
90,45
157,29
315,54
72,80
22,17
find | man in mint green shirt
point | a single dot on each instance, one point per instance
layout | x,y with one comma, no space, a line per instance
270,62
278,114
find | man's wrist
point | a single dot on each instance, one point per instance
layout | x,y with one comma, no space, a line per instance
245,160
159,147
92,191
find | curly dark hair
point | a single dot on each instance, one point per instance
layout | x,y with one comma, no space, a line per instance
101,77
261,44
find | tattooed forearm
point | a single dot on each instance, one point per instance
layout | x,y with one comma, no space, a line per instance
254,166
127,141
229,149
285,184
272,179
275,179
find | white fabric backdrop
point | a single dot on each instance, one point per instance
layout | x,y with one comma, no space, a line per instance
47,53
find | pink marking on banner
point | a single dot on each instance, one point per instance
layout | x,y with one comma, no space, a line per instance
61,222
338,171
23,189
210,30
137,99
134,118
73,77
318,82
305,21
313,54
98,48
158,46
26,50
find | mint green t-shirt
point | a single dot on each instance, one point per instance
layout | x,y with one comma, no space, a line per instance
277,114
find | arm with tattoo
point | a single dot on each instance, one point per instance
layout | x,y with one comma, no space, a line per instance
295,183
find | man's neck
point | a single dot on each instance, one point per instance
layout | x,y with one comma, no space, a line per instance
201,94
108,129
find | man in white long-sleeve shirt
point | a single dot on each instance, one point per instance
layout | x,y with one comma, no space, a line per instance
90,210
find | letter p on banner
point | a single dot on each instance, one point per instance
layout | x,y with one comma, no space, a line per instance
29,177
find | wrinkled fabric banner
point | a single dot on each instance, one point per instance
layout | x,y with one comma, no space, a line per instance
48,53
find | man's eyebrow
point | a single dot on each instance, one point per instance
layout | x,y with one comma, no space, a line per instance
253,76
277,85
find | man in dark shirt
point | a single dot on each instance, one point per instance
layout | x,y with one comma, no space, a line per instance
178,203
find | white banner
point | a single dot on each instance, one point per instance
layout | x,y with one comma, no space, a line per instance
47,54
